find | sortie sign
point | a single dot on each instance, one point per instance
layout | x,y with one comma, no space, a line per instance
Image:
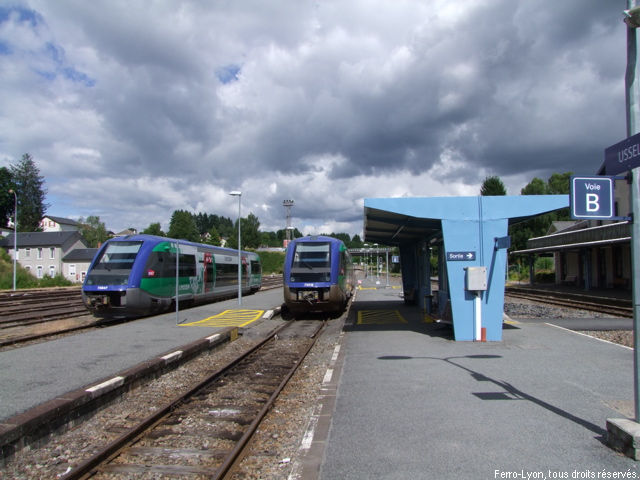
461,256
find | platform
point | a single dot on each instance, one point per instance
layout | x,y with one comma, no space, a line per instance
37,373
412,403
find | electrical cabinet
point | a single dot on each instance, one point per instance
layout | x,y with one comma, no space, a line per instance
476,278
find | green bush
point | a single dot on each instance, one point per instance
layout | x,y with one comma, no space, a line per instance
544,263
272,262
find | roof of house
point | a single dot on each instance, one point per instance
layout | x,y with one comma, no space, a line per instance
80,255
41,239
62,221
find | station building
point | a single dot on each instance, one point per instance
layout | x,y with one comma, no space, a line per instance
589,254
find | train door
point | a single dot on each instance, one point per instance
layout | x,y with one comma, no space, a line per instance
245,271
209,272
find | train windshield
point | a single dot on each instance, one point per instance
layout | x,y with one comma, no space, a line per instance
114,265
311,262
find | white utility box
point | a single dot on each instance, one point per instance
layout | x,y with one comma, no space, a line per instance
476,278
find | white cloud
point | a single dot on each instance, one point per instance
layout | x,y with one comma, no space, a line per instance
132,111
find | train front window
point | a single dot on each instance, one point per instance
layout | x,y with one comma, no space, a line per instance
311,262
114,264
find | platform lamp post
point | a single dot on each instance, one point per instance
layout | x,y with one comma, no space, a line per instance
15,235
366,260
387,264
238,194
377,262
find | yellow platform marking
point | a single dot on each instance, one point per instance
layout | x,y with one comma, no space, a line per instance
360,287
512,322
228,318
379,317
428,318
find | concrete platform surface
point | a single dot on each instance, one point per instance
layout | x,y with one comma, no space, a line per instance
34,374
414,404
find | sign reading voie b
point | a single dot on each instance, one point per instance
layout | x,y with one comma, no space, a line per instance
592,197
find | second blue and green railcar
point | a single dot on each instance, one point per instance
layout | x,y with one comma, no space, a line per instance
318,275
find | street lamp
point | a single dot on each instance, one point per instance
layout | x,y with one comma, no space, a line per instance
238,194
377,261
366,260
15,236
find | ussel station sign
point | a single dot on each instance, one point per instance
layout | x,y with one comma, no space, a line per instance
623,156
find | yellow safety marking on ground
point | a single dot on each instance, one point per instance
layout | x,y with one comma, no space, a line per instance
366,288
428,318
379,317
512,322
228,318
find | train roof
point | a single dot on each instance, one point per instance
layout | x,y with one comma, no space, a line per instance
317,238
142,237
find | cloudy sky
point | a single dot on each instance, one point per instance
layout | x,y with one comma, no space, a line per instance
135,109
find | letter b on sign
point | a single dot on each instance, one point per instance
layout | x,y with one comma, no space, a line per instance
592,197
593,202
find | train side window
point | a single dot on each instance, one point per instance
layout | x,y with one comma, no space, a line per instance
163,264
255,267
226,274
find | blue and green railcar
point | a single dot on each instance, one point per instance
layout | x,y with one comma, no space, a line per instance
136,275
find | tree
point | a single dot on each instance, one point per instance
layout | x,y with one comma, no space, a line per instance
345,237
154,229
7,200
249,231
269,239
183,226
214,237
29,186
492,186
558,183
93,230
534,187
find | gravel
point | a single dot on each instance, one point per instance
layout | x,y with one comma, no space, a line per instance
528,309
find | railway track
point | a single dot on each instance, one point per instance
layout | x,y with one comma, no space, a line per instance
32,306
271,281
204,432
612,306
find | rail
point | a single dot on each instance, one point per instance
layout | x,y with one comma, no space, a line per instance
582,301
224,411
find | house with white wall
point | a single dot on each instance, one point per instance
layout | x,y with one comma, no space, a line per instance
43,253
58,224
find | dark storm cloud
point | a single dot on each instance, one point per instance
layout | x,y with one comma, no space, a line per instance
171,105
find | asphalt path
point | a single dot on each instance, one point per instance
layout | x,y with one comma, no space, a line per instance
412,403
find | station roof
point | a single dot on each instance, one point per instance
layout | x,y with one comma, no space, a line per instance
389,228
392,221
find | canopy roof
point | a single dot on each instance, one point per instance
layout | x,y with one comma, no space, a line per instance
392,221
